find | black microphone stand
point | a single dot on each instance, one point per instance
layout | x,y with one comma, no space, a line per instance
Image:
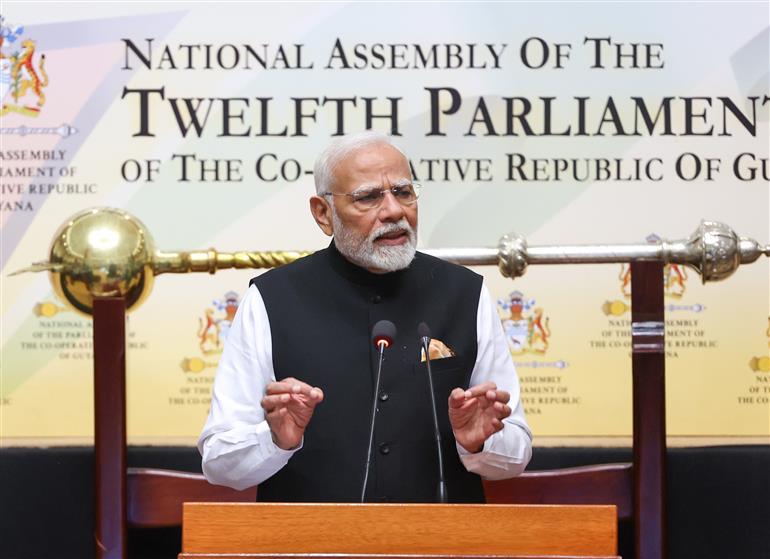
383,333
442,493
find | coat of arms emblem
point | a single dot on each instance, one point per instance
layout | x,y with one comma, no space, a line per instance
213,328
22,73
526,327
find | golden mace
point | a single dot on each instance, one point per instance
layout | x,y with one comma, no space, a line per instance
107,252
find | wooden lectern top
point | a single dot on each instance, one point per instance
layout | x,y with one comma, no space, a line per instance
404,530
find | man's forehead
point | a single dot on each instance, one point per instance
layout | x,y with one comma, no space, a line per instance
373,161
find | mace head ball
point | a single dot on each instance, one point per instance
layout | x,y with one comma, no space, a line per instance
102,252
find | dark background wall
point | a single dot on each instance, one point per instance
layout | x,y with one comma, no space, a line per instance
718,500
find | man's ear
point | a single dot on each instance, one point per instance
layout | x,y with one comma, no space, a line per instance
322,213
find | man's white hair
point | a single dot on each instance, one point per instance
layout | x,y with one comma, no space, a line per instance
338,150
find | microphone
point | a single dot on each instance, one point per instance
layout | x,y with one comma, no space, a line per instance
383,334
424,333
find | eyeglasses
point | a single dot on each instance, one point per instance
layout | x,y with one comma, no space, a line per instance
371,198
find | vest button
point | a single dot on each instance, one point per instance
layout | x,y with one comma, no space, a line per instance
376,299
384,448
384,396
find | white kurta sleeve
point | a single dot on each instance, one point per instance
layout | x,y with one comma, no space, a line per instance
506,453
236,444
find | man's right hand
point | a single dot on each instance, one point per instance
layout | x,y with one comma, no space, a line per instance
288,406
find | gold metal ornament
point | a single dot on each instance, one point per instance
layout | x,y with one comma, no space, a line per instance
615,308
47,309
107,252
196,365
760,364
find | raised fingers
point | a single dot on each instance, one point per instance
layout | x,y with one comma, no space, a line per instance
480,389
291,385
288,386
498,396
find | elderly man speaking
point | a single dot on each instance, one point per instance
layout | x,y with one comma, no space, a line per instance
293,393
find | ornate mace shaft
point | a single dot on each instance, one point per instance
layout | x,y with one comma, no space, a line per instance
713,250
106,252
210,260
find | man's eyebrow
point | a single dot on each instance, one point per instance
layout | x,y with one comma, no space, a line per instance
402,182
367,187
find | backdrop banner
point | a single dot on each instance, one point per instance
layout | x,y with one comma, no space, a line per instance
571,123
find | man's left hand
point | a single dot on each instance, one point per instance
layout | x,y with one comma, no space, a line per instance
477,413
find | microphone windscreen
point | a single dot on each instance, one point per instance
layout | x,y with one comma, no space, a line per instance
423,331
384,330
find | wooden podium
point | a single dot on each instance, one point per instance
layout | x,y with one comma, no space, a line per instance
409,531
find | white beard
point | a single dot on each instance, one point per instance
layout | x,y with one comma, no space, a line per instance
362,251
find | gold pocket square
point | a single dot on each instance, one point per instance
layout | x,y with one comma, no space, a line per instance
437,350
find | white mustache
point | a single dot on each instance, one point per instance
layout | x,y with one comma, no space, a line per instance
402,226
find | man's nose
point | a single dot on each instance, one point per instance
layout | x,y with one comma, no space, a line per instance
390,209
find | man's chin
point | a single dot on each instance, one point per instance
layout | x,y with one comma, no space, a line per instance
391,258
381,259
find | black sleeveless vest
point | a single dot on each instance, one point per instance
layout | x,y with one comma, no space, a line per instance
322,309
